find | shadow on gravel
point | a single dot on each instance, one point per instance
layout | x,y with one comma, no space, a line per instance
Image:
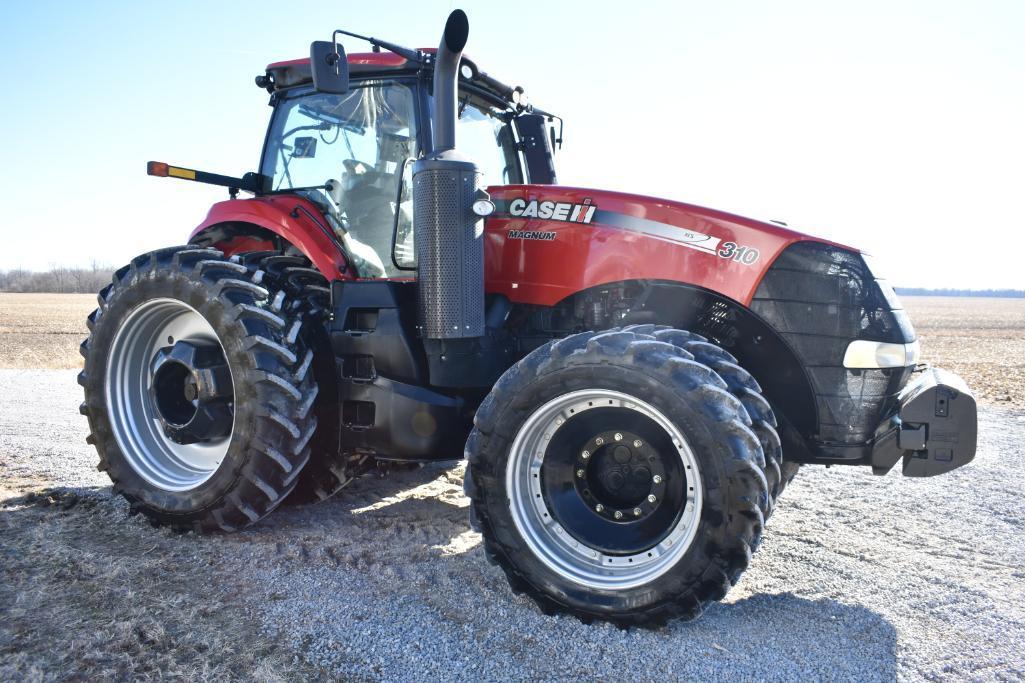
830,638
148,602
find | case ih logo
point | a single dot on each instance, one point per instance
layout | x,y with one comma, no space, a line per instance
555,211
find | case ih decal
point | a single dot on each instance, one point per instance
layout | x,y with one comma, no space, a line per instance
555,211
587,212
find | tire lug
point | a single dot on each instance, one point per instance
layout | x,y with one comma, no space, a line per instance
585,455
618,437
637,512
637,443
599,441
618,514
580,473
599,507
651,498
657,479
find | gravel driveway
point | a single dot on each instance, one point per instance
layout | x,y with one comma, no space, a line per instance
858,577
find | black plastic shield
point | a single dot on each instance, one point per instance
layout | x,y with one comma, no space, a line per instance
537,151
329,67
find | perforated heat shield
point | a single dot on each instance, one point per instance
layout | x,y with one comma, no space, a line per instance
449,249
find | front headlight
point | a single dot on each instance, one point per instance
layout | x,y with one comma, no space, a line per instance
862,354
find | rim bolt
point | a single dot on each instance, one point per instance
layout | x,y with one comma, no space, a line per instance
618,515
657,479
637,443
651,498
585,455
619,437
637,512
599,507
580,473
599,441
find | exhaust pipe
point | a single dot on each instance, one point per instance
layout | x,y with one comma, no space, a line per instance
449,237
446,80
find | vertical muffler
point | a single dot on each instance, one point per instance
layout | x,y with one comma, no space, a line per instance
449,237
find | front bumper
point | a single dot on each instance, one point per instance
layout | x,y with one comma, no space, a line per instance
934,430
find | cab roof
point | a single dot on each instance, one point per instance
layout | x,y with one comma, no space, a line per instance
293,72
297,71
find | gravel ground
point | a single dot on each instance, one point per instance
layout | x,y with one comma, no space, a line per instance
858,577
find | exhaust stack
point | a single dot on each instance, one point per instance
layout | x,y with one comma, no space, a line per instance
446,77
449,236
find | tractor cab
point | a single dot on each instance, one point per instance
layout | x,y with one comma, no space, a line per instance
351,153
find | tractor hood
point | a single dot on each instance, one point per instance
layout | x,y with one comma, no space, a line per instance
546,242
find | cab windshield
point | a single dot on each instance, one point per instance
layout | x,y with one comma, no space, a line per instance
348,154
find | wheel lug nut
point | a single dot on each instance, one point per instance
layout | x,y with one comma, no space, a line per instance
618,515
599,507
637,443
585,455
580,473
637,512
599,441
657,479
651,498
619,437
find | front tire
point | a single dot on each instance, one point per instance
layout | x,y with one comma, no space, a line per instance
197,390
613,476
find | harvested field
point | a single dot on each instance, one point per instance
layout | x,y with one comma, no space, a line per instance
43,330
981,339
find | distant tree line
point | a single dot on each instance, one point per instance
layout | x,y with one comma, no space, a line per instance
64,280
922,291
57,280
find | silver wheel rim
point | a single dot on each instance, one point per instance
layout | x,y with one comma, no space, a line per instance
133,416
550,543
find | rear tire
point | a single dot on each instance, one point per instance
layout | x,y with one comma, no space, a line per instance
250,470
574,554
329,469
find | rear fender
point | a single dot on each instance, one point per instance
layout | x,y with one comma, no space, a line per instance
294,219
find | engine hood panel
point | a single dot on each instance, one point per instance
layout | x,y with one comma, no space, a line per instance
545,242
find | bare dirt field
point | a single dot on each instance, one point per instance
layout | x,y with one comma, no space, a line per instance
858,577
981,339
43,330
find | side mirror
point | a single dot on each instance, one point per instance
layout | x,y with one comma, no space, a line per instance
330,67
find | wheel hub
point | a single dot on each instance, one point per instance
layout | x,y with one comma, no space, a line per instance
554,490
192,391
606,492
620,476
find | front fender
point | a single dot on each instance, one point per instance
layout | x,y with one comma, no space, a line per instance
293,218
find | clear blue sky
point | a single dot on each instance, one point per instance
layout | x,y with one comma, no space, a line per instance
898,127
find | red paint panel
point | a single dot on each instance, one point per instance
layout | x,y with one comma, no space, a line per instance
382,59
587,255
276,214
241,244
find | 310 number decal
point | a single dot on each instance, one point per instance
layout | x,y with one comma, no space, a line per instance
733,252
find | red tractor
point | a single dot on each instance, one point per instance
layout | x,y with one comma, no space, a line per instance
633,381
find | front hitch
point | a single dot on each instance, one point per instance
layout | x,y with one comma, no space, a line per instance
935,430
